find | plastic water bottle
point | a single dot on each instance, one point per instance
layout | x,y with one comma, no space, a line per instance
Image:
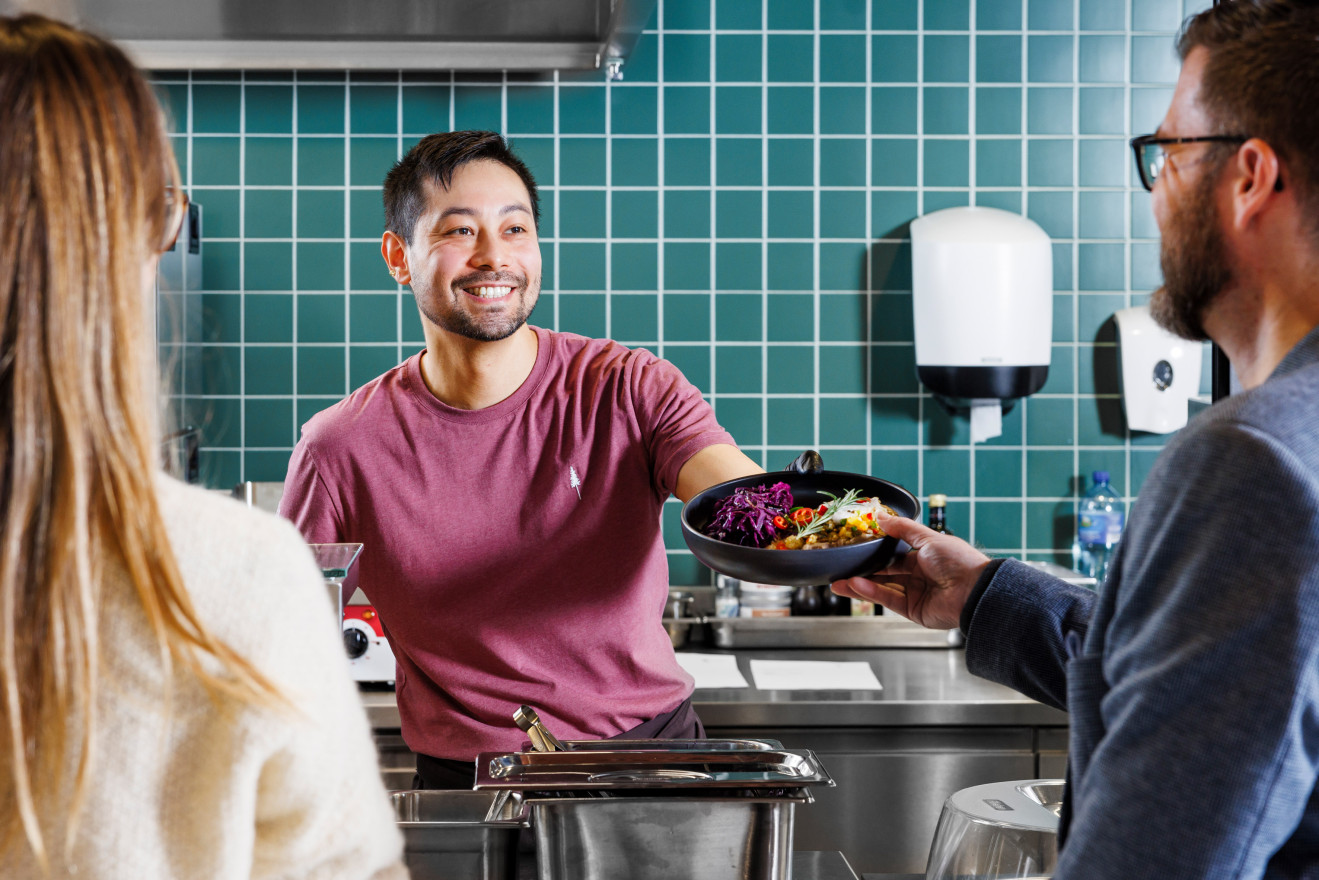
1098,527
726,596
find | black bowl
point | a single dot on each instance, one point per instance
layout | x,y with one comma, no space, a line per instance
796,568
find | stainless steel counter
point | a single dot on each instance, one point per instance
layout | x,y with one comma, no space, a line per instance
896,753
920,687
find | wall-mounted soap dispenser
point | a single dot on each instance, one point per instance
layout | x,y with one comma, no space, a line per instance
1160,372
982,301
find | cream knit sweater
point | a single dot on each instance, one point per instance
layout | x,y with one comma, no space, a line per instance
190,791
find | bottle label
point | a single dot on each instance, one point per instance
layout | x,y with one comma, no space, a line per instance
1099,526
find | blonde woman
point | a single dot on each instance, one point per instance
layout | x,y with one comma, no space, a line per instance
174,702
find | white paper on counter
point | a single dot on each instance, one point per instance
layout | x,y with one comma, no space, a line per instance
712,670
815,675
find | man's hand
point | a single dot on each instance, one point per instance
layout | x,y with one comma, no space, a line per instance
930,584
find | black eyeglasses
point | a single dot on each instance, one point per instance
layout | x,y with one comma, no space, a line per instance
1150,154
176,209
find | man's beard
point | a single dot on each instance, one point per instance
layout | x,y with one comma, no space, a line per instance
461,322
1195,268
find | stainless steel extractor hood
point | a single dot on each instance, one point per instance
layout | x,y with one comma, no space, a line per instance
517,35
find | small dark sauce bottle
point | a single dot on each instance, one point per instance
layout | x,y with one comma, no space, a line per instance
938,512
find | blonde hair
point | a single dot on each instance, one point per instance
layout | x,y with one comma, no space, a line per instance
84,168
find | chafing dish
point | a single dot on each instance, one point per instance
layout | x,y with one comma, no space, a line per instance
696,809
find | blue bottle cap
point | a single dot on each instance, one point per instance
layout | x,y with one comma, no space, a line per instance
1100,476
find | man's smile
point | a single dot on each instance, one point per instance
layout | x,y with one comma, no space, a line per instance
489,291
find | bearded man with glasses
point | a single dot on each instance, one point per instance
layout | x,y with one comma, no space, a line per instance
1192,675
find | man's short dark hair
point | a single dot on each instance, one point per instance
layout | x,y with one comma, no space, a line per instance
1262,80
433,161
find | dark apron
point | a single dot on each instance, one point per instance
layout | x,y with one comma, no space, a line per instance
445,773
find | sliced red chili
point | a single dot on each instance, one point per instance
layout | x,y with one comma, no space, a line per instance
802,515
780,523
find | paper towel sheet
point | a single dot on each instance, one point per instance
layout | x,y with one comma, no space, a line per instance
814,675
986,419
712,670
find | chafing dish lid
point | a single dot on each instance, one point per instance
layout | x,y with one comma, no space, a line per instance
653,767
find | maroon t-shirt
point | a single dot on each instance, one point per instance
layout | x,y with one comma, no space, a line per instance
514,552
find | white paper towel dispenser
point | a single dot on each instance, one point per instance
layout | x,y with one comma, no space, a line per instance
982,302
1160,372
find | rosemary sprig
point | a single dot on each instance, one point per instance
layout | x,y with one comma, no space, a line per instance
830,508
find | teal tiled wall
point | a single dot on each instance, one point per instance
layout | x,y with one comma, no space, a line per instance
739,204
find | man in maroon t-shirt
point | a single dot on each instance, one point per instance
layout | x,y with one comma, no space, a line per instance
507,484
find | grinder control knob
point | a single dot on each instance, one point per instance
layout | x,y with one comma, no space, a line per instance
355,642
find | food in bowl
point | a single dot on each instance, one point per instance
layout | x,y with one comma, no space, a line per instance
765,517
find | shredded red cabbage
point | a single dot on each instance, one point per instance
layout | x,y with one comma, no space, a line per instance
747,516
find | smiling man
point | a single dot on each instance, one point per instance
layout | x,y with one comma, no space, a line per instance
507,483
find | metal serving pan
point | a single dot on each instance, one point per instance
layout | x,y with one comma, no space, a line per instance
469,834
642,837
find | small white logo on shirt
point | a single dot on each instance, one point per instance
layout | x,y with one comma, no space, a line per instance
575,481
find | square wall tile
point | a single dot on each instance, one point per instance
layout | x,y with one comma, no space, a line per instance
1049,58
373,317
322,109
947,471
1049,111
269,213
687,161
789,58
743,418
791,422
217,109
477,107
737,161
998,525
268,369
268,161
634,266
373,109
791,317
1050,473
268,109
895,421
634,318
738,369
950,15
947,163
947,110
947,58
790,266
426,108
893,58
842,162
998,110
842,57
843,369
998,58
843,110
320,265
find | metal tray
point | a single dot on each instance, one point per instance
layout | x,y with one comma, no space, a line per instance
885,631
471,834
743,770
